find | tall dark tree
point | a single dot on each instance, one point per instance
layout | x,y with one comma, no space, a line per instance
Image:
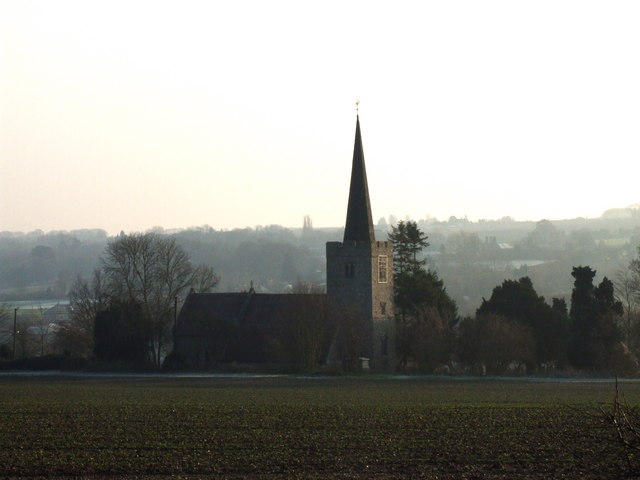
594,326
87,299
121,335
582,298
426,313
422,289
412,284
408,242
517,301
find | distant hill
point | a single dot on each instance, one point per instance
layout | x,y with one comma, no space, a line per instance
632,211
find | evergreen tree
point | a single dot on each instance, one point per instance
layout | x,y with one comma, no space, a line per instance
120,334
594,330
426,313
517,302
408,242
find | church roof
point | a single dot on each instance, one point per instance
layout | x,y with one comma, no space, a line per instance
200,309
251,320
246,308
359,224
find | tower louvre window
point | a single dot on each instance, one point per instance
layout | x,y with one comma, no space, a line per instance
382,269
349,270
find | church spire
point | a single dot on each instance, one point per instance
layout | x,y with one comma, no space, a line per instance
359,225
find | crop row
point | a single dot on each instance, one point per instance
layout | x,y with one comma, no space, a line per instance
279,429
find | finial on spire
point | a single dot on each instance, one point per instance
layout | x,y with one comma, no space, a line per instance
357,106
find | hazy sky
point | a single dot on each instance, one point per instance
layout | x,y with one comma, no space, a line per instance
126,115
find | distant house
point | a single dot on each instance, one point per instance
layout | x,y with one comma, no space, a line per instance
632,211
354,319
59,313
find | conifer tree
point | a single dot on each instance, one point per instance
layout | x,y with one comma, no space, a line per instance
516,301
408,242
594,330
425,310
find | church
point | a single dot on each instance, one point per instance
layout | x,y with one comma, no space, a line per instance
351,326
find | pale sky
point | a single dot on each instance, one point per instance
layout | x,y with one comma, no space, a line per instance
124,115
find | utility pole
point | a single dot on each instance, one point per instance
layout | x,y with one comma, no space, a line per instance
175,311
42,335
175,320
15,322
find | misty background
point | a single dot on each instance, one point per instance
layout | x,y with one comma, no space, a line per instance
471,257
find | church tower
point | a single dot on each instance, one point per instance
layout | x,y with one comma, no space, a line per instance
360,278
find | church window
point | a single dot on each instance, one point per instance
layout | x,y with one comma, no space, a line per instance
383,308
382,269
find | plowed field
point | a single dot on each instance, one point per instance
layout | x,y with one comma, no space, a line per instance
286,427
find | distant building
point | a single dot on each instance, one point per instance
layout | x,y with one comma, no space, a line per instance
620,213
59,313
354,318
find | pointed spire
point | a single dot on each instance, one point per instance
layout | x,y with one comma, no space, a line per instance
359,225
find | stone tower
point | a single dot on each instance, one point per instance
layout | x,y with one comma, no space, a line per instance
360,276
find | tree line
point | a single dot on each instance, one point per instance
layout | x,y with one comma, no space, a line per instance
515,329
471,257
125,313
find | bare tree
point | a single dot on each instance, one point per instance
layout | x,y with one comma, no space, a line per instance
153,270
204,279
26,344
307,224
625,420
493,341
6,330
4,323
42,329
128,263
634,269
87,299
627,291
430,338
351,335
